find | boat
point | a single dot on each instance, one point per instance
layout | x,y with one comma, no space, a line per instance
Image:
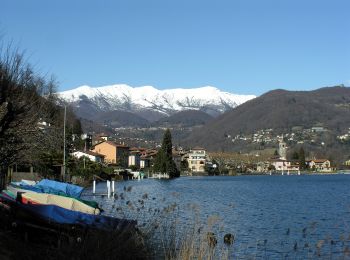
22,187
53,214
67,188
27,202
61,201
51,187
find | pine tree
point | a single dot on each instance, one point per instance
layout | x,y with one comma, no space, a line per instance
295,156
164,161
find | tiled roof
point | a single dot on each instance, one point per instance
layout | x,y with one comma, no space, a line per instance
111,143
197,148
320,160
94,154
137,149
115,144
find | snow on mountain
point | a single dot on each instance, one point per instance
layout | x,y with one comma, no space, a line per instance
124,97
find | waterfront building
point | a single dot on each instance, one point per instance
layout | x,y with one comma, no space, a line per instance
134,159
320,165
147,158
196,159
280,164
114,153
285,165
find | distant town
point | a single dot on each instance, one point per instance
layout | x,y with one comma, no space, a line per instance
115,152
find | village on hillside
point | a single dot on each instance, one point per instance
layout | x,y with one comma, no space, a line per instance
120,156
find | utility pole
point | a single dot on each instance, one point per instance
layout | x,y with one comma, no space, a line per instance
84,151
64,145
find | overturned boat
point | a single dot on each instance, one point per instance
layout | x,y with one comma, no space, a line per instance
55,203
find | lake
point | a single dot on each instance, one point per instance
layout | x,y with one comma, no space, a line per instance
304,216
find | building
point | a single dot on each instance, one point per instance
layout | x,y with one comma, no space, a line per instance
114,153
318,129
262,166
94,157
99,138
196,159
320,165
282,149
134,159
280,164
284,165
347,163
147,157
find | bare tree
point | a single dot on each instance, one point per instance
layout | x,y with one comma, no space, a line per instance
26,101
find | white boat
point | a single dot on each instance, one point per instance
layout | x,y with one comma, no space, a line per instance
160,176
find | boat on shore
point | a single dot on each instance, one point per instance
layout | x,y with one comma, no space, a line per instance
28,206
56,200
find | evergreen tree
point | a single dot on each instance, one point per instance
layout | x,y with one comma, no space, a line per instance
302,158
295,156
164,161
159,162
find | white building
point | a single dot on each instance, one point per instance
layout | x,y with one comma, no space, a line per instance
320,165
280,164
196,159
284,165
95,157
134,160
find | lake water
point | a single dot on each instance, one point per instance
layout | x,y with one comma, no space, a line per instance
294,217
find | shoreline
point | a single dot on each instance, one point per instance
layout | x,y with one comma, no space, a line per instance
268,174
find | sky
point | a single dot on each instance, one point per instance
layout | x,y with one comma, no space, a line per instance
239,46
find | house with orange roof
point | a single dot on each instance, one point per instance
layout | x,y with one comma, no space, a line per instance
114,153
320,165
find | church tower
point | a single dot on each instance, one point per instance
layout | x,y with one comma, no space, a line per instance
282,149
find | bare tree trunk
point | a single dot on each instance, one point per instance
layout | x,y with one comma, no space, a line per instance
3,177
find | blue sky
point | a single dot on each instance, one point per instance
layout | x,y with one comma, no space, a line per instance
240,46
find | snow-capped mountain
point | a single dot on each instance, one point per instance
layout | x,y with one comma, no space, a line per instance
135,99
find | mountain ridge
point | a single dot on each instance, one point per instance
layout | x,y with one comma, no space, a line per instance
280,110
168,101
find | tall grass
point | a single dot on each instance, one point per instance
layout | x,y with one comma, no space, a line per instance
174,231
166,234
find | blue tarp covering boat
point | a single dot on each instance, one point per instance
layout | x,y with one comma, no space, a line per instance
52,187
54,213
22,187
36,188
69,189
58,215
